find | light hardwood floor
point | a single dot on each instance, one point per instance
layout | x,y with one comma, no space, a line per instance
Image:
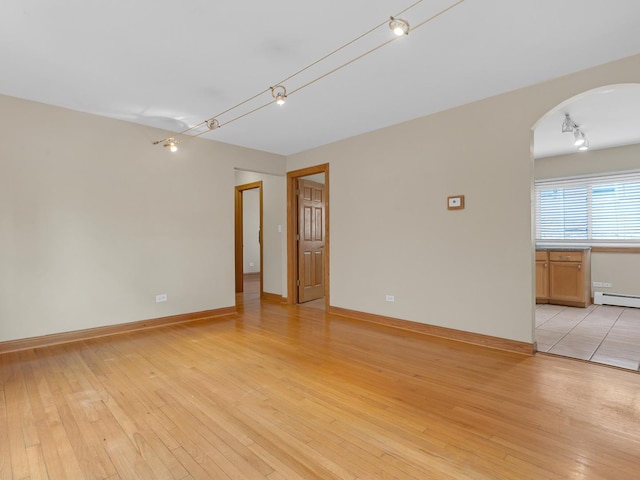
282,392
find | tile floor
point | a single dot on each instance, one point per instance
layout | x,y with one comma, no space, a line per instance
598,333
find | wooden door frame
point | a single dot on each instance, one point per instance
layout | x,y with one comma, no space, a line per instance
292,222
239,231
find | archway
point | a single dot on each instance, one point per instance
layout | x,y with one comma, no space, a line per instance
608,117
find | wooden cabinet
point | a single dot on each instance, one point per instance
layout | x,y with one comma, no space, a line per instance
565,277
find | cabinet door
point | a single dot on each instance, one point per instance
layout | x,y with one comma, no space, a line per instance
542,281
566,281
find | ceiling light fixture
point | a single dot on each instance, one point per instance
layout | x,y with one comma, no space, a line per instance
172,144
585,146
399,26
279,93
212,124
580,137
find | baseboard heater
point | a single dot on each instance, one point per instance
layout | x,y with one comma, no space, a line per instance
600,298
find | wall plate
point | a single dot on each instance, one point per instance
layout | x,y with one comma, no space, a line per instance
455,202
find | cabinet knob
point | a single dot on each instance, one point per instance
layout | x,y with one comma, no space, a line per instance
579,267
545,265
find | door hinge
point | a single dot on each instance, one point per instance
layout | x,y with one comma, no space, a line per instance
297,238
298,283
297,191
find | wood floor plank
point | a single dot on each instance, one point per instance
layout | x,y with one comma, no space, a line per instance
194,466
17,403
5,447
282,469
71,406
37,466
123,453
240,462
56,438
133,413
280,392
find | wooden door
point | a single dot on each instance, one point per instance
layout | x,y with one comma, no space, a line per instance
311,240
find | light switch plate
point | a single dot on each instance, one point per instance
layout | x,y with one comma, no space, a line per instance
455,202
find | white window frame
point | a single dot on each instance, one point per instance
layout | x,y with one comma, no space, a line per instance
588,182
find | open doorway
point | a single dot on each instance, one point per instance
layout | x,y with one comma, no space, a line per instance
248,240
583,246
308,236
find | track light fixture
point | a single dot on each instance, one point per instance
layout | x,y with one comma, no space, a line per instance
585,146
172,144
399,26
279,93
580,139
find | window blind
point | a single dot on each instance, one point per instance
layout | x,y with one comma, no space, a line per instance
597,208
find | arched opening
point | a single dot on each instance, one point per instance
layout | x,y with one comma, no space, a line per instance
575,240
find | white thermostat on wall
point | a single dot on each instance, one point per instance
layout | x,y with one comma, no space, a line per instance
456,202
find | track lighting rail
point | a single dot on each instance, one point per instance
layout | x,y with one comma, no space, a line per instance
279,93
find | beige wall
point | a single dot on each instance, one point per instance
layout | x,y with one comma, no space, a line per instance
619,269
617,159
273,215
96,221
251,231
392,234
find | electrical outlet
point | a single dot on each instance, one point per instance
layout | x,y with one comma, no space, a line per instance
607,285
161,298
390,298
251,264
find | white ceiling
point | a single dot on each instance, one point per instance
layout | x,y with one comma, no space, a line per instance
608,116
174,64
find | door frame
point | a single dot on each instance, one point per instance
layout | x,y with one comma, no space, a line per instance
292,223
239,230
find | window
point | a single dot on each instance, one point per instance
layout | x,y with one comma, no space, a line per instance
597,209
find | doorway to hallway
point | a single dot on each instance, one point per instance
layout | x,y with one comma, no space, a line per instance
248,236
